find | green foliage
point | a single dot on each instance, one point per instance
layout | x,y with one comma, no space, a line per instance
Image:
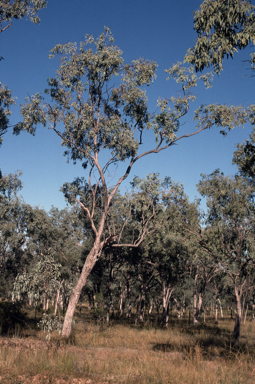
222,116
99,109
223,27
99,115
229,235
244,157
13,226
49,324
5,102
53,244
40,282
17,9
10,10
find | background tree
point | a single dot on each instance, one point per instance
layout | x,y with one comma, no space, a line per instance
223,28
13,225
244,157
228,237
17,9
9,11
100,118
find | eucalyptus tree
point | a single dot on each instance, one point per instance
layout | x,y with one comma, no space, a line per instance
244,157
204,270
228,237
102,120
17,9
169,252
6,101
10,11
223,28
12,228
54,246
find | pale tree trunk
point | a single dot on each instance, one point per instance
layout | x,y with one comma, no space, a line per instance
245,314
129,309
195,309
56,302
150,308
177,308
141,316
87,268
122,297
221,311
253,316
216,312
46,304
236,334
198,301
167,292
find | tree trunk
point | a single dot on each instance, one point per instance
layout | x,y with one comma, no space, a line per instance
236,333
129,309
198,301
56,302
122,297
178,309
87,268
167,292
141,316
245,315
150,308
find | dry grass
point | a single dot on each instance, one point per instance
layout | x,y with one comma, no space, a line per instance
123,353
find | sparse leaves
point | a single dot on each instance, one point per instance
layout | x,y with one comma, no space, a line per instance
223,28
17,9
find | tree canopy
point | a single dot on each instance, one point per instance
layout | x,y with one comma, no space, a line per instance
223,28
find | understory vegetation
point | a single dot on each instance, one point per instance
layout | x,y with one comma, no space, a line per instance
127,353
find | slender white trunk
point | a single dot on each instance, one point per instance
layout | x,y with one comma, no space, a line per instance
177,308
150,308
46,304
221,311
236,334
167,292
216,312
141,316
198,301
87,268
129,309
56,302
253,316
122,297
245,314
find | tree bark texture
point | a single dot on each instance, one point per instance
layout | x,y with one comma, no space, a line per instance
167,292
236,334
87,268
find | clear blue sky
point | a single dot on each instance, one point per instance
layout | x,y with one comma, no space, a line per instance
157,30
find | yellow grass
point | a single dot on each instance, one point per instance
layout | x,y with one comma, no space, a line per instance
123,353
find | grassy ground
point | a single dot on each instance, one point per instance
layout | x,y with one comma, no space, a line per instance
125,353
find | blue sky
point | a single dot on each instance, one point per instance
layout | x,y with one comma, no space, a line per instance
156,30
